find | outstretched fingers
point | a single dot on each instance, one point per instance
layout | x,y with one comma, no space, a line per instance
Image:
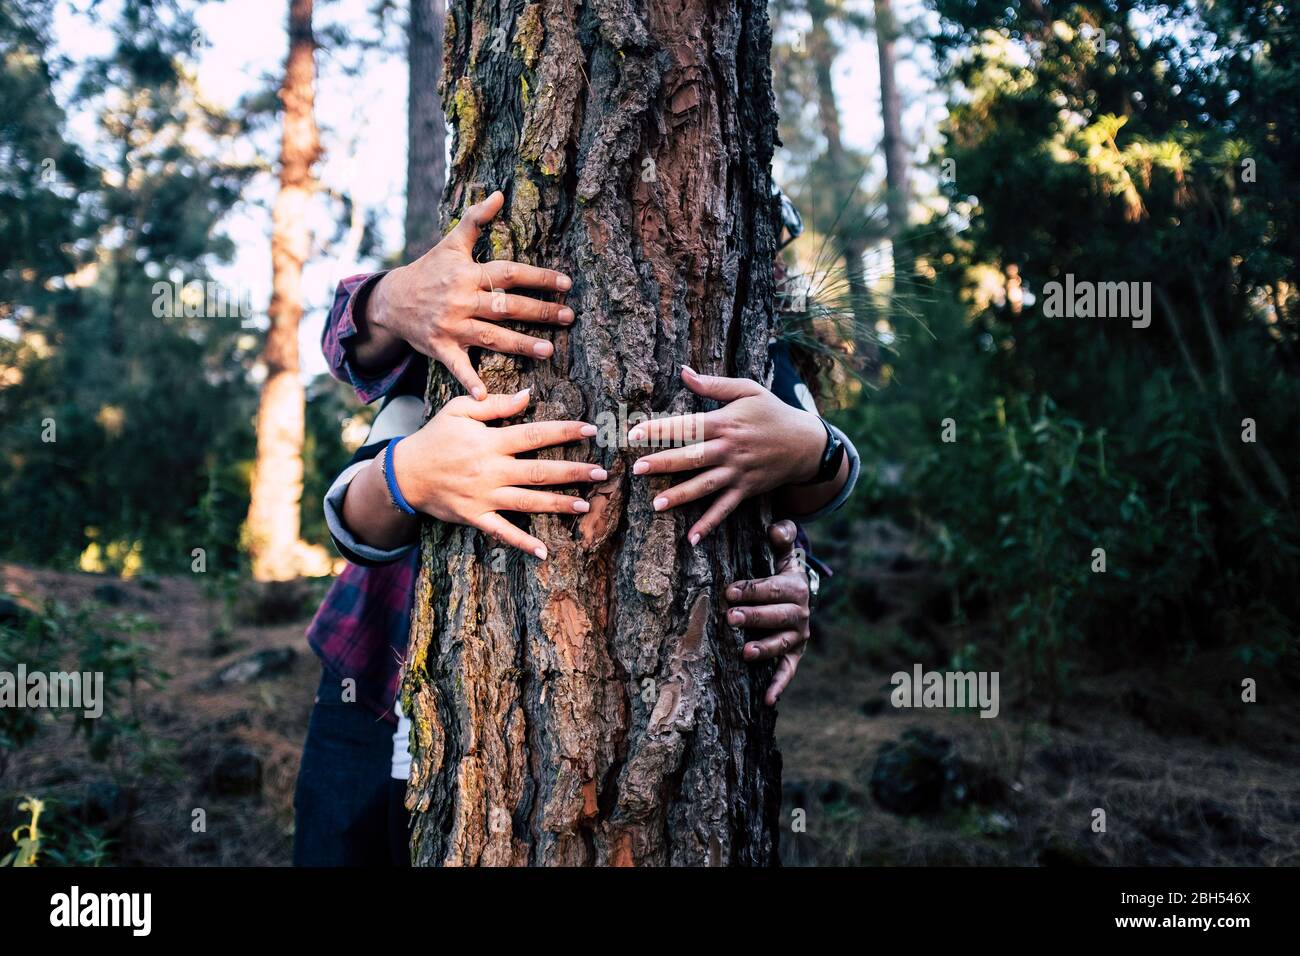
493,524
532,436
490,407
531,501
494,338
692,489
785,670
787,642
504,274
718,387
687,458
539,471
672,430
456,360
724,505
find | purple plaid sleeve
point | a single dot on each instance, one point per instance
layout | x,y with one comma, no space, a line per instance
362,626
341,325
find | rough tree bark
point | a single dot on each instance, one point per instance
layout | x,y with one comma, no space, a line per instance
426,154
274,513
594,708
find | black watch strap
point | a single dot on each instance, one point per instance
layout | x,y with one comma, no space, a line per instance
832,457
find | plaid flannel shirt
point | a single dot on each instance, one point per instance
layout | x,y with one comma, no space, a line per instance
362,626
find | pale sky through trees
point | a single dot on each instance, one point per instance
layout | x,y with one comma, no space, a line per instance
363,125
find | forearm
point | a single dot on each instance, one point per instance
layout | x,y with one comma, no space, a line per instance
369,514
797,501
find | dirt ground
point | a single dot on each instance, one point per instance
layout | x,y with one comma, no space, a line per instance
1178,782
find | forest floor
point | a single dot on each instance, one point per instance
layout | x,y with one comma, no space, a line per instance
1178,783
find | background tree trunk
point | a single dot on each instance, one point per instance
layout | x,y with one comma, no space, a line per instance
850,238
426,155
274,515
594,708
891,113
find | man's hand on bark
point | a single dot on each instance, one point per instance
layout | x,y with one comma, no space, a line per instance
444,303
775,611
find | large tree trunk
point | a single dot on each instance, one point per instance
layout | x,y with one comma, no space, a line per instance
593,708
426,154
274,516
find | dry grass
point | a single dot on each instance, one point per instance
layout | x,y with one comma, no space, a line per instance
1172,799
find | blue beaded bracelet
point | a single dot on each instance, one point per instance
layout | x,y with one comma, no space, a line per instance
394,493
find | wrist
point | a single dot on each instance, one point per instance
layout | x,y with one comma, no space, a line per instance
813,438
376,343
377,314
393,477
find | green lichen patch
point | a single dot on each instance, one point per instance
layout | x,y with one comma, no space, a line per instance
525,201
530,34
464,111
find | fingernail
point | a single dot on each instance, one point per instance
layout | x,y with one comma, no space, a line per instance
695,539
581,506
736,616
566,316
563,283
523,392
687,368
635,434
751,651
479,393
540,551
733,594
588,431
543,349
661,504
640,468
599,474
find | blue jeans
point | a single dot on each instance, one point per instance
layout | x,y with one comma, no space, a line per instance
348,810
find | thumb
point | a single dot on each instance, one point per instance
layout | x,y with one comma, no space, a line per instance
782,537
472,222
718,388
495,406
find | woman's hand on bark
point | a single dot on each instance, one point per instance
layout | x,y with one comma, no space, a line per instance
775,611
444,303
458,469
753,444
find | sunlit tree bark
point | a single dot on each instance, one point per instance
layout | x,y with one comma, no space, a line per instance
274,515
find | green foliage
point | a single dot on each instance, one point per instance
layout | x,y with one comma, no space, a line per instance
128,438
1114,161
86,641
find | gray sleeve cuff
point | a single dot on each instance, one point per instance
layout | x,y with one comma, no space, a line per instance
334,519
855,468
